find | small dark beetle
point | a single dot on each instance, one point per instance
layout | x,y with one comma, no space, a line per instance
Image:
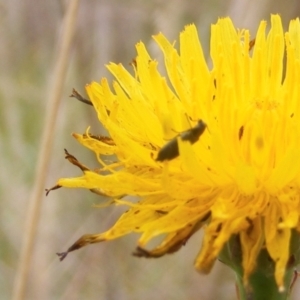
171,150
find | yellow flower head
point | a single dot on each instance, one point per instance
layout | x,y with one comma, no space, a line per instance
215,148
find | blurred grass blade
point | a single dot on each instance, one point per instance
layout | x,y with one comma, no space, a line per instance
35,202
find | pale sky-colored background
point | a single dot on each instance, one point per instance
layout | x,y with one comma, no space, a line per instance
105,31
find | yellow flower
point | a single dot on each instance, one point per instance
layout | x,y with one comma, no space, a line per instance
239,177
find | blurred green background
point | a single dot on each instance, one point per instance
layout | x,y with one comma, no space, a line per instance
105,31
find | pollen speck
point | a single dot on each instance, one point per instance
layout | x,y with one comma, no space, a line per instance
259,142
